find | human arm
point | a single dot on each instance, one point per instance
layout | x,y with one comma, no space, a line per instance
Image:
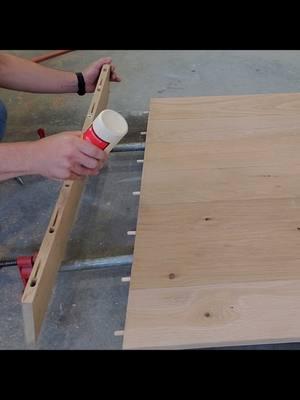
60,156
20,74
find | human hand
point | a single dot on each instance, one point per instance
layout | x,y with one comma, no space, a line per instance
92,72
67,156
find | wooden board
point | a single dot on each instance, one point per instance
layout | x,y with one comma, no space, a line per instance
38,290
217,249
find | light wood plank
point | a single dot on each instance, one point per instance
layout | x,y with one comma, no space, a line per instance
213,315
214,242
218,224
38,290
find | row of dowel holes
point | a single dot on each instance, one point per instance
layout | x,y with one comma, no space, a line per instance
51,230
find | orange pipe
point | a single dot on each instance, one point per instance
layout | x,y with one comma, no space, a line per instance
45,57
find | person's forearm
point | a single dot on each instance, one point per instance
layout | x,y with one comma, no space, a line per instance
24,75
16,159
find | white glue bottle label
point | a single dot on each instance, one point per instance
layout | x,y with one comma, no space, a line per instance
107,130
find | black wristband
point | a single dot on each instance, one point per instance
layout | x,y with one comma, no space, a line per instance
81,83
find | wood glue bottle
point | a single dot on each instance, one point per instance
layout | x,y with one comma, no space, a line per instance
106,130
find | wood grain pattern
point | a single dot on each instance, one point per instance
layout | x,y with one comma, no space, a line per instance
216,258
213,315
38,290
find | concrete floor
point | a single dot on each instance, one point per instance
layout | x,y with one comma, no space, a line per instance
88,306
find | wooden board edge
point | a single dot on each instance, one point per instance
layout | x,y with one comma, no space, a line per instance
216,345
38,290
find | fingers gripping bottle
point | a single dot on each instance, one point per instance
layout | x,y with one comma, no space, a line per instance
107,130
